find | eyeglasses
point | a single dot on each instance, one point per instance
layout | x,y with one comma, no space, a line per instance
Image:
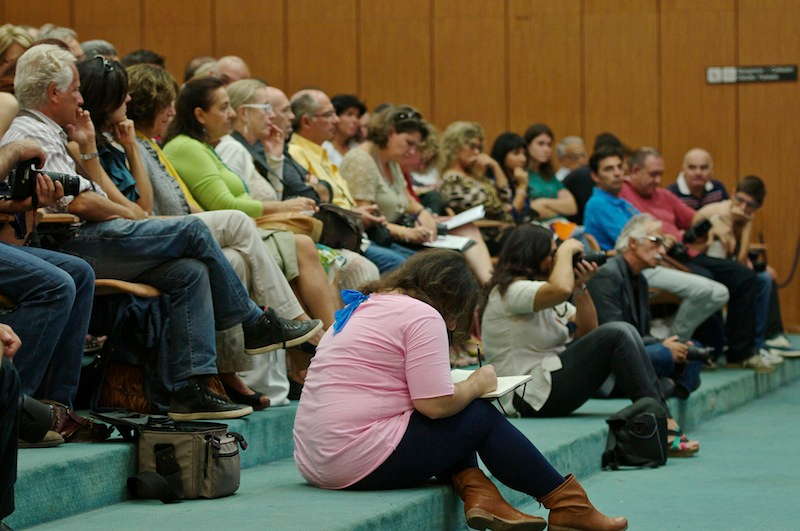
755,205
658,240
575,156
266,108
107,65
475,146
326,115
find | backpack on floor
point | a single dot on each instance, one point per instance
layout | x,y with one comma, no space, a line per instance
180,460
637,436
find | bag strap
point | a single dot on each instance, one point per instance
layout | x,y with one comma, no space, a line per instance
610,459
165,483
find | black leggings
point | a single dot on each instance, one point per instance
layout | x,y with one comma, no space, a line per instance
443,447
612,348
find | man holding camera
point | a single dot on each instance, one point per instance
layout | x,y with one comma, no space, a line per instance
643,191
619,290
52,293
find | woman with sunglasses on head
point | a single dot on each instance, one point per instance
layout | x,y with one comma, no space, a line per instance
104,87
466,181
529,324
374,176
547,196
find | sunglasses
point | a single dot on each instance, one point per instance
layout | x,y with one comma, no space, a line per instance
407,115
658,240
108,66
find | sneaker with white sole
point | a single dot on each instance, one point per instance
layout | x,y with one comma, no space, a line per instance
785,353
271,332
754,362
780,341
770,356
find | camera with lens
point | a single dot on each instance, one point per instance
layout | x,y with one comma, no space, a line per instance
594,257
696,353
697,231
758,257
22,180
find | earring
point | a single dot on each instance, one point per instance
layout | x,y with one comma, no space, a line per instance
246,129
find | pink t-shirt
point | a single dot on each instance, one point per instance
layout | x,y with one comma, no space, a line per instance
357,397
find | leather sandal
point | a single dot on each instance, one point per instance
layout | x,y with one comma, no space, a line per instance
76,428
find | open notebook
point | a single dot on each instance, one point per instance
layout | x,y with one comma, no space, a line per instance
505,384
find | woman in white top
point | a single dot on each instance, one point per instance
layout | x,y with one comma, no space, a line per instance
529,320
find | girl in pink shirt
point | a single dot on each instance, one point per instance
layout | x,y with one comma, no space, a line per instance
379,409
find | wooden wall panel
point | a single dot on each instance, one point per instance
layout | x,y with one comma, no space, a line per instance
395,43
259,40
769,132
321,39
544,65
37,12
179,30
469,65
621,70
117,21
695,35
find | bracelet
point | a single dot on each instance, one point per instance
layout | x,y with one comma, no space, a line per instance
580,290
405,234
89,156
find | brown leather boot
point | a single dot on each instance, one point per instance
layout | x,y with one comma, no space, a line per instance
571,510
485,507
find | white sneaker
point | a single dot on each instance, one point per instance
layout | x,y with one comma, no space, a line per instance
779,341
785,353
754,362
770,356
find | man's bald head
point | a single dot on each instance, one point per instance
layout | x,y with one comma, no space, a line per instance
231,68
697,170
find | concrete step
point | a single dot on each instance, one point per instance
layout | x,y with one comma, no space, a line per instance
83,486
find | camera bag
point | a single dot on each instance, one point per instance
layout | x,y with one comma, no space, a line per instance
180,460
637,436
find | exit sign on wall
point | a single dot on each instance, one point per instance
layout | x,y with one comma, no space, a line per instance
750,74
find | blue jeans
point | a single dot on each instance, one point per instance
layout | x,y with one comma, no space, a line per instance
53,292
180,257
388,258
763,294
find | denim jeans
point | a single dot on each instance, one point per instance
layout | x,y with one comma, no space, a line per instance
388,258
53,293
180,257
9,404
762,303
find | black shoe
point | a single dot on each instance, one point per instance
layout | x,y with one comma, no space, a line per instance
667,386
196,401
271,332
295,390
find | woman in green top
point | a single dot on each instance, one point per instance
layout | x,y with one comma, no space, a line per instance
547,195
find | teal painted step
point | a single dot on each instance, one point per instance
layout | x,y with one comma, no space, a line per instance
273,496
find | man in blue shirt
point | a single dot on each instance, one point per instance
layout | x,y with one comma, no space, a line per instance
606,213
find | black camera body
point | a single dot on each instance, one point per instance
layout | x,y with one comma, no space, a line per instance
699,353
697,231
594,257
758,257
22,180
